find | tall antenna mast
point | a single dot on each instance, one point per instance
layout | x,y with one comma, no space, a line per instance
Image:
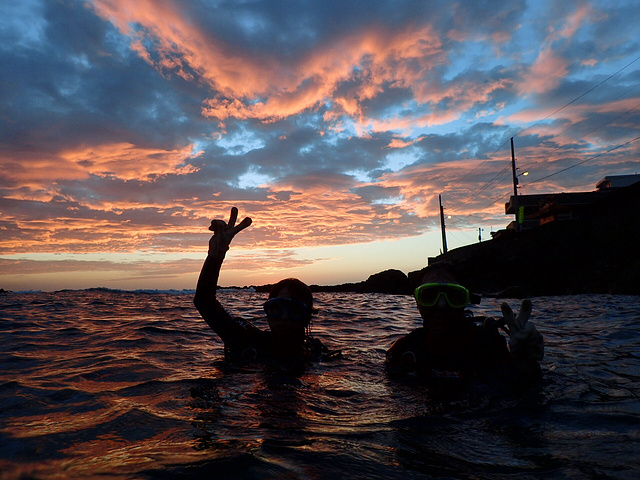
515,185
444,237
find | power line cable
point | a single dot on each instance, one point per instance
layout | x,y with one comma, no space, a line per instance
635,107
585,161
457,204
579,96
490,182
484,161
602,125
504,197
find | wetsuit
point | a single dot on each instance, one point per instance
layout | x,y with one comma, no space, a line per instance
477,348
243,341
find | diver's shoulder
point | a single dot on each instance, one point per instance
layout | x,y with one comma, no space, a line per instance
408,340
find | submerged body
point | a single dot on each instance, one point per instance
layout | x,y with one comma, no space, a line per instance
478,350
243,341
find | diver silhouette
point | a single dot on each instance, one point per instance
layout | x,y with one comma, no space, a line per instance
288,310
452,344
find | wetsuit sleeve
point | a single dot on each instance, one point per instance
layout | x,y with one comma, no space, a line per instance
229,329
318,349
394,353
401,356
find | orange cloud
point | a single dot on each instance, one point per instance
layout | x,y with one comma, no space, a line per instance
268,89
38,171
128,162
35,170
399,143
34,176
400,58
173,33
322,209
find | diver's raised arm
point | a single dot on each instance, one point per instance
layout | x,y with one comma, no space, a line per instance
205,297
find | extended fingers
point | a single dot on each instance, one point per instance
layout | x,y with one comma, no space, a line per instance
517,323
230,229
509,316
507,313
525,312
242,225
233,216
527,344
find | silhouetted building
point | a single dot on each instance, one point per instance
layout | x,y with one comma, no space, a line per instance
617,181
544,208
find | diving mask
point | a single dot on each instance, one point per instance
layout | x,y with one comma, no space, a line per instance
295,310
427,295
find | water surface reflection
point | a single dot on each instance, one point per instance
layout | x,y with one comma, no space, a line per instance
132,385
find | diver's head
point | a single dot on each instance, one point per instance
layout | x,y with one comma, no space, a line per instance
441,300
439,272
289,307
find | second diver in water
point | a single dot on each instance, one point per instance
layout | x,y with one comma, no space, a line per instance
288,310
451,344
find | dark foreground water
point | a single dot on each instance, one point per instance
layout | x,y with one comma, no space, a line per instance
100,384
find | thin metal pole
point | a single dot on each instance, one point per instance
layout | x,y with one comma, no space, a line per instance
515,184
444,237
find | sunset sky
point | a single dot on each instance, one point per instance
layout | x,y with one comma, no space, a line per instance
127,125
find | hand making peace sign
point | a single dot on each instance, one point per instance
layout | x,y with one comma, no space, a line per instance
223,232
525,342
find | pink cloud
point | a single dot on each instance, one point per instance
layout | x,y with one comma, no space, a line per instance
574,21
574,113
550,68
545,73
399,143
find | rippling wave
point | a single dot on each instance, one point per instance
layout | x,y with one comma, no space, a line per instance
132,385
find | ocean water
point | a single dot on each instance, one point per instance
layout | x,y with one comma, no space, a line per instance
123,385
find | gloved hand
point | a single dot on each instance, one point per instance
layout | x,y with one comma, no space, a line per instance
224,233
525,342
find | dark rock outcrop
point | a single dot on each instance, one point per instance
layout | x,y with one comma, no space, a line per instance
390,281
